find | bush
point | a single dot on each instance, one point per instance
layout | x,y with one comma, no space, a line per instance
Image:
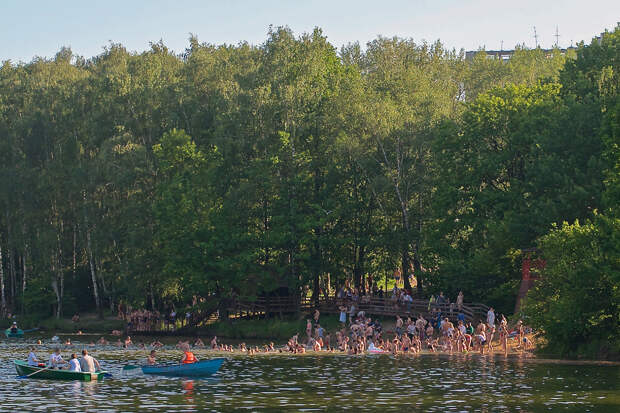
576,305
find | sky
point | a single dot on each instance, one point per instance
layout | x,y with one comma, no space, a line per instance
30,28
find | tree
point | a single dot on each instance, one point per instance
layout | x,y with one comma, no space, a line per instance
576,305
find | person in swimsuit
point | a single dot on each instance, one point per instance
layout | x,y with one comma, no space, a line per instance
482,339
399,326
503,337
309,329
521,331
406,343
490,338
150,360
429,331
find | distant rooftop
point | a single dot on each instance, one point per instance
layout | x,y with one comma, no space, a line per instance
507,54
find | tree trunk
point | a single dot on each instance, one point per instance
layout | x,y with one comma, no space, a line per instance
24,275
93,272
358,269
74,268
13,277
58,298
152,295
91,261
405,270
106,293
59,276
327,289
11,262
2,295
405,261
417,267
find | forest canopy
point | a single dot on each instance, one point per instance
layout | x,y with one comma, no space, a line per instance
150,178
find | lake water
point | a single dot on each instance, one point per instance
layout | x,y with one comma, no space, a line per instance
428,383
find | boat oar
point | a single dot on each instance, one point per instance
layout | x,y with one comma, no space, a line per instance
130,367
33,373
31,330
133,367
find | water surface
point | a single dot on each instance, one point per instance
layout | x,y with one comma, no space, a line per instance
429,383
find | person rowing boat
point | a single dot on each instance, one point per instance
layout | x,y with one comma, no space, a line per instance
14,329
88,363
32,358
55,359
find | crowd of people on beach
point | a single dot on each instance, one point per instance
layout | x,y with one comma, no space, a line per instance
442,328
446,330
139,320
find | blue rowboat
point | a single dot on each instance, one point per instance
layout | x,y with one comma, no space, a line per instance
202,368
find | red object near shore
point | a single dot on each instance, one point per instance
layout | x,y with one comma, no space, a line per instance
530,272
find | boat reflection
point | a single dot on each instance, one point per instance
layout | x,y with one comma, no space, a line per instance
188,390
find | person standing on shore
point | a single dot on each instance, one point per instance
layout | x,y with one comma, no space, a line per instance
309,329
343,315
491,317
459,301
503,336
320,331
351,313
399,326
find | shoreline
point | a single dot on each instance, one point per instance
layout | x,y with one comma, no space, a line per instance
529,356
259,332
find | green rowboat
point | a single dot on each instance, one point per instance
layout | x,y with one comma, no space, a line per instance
23,369
19,334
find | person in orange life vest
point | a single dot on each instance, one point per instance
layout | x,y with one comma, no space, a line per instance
188,357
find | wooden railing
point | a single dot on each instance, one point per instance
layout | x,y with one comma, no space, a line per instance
377,306
246,307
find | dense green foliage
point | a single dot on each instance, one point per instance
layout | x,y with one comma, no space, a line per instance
151,178
577,304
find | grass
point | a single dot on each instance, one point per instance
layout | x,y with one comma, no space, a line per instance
87,324
275,328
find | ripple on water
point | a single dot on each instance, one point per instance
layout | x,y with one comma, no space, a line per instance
379,383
